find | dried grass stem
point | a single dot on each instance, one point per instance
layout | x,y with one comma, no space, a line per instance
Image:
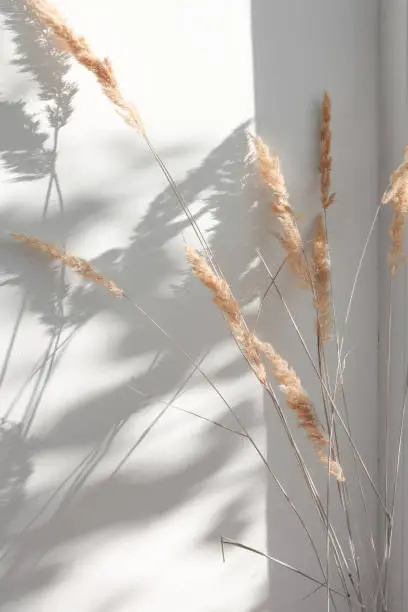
79,48
83,267
321,278
326,160
273,178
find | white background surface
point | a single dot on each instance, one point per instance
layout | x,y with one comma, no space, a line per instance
200,73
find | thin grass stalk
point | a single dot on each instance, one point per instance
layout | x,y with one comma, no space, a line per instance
185,410
346,504
328,573
291,568
204,244
390,527
155,420
339,383
339,555
342,487
265,294
323,370
388,520
353,290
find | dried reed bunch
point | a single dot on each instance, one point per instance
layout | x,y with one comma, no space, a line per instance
273,178
327,197
79,48
397,195
83,267
252,347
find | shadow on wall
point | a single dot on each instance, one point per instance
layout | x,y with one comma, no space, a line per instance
80,507
27,155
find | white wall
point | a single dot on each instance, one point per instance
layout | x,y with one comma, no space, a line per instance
199,73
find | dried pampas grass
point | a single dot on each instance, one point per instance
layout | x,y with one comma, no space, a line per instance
321,279
83,267
327,197
397,195
79,48
273,178
296,397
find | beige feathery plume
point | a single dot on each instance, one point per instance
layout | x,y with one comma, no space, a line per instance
81,266
253,348
226,302
321,278
79,48
273,178
397,194
298,401
325,153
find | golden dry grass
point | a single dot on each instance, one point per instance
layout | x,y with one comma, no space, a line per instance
81,51
327,198
273,178
81,266
226,302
